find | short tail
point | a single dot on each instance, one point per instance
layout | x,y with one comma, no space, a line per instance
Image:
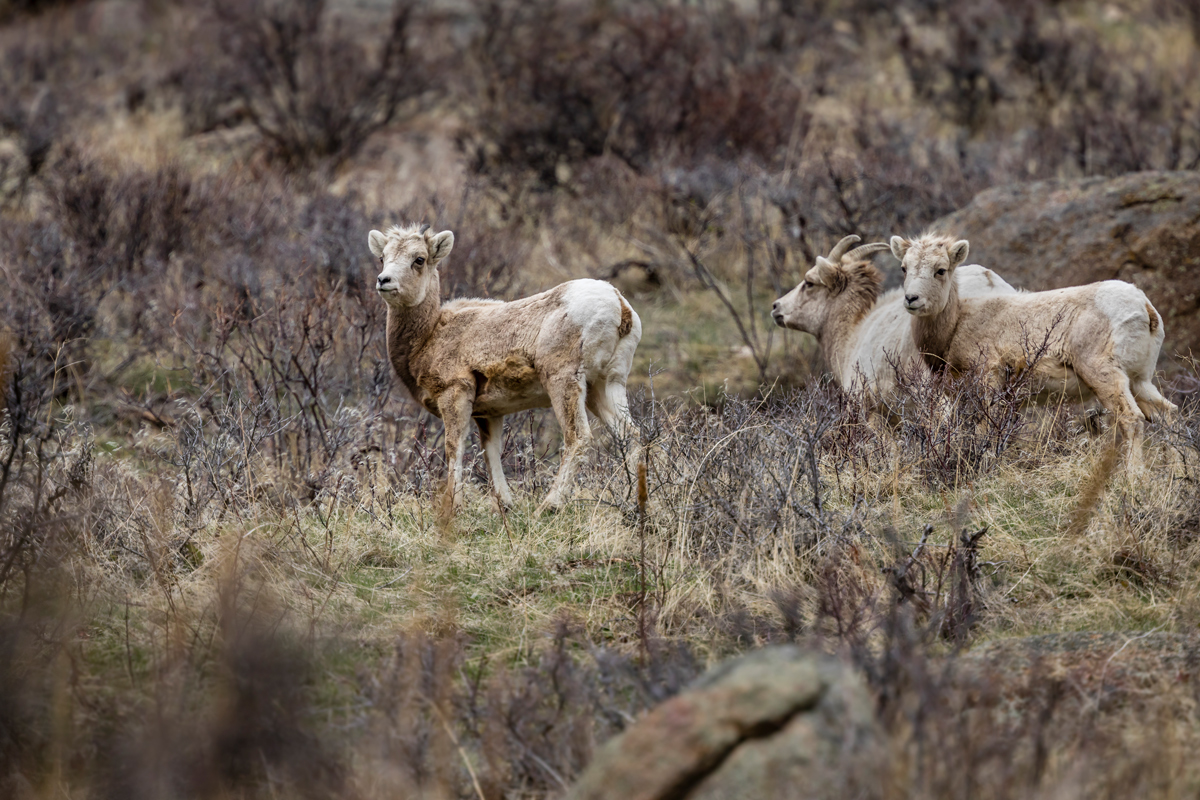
626,317
1154,320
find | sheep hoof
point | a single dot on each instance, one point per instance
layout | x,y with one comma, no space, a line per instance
547,507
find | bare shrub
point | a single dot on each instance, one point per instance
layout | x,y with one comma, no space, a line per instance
491,250
1090,113
952,733
50,58
958,426
314,88
276,380
455,726
46,450
565,82
36,124
122,225
745,478
738,223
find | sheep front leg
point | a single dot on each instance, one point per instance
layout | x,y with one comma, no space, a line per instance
568,398
455,408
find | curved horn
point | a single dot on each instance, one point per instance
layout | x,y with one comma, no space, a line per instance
866,250
839,249
424,228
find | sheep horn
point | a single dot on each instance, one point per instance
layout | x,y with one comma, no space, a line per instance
424,228
839,250
865,250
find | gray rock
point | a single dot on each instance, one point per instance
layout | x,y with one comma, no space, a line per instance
777,723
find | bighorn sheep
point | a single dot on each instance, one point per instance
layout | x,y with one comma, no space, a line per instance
1098,340
863,336
570,348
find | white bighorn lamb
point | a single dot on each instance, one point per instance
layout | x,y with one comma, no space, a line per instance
863,336
1098,340
570,348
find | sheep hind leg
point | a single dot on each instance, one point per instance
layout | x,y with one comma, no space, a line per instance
608,401
568,398
491,436
1151,401
1112,388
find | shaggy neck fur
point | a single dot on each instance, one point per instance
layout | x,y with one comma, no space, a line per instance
934,333
409,328
855,288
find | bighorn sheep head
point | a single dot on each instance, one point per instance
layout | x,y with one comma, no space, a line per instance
806,307
928,265
410,257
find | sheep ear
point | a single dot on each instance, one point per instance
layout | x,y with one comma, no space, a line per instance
376,241
440,245
958,252
825,270
900,246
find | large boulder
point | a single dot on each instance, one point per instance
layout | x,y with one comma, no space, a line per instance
1143,227
778,723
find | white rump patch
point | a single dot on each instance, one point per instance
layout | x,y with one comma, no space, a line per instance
1121,302
590,301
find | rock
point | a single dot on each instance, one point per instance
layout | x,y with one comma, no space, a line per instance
1143,227
777,723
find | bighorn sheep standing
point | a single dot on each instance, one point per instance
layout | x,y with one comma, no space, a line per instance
570,348
863,336
1099,340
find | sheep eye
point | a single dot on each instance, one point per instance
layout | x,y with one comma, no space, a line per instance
381,259
903,271
941,272
420,260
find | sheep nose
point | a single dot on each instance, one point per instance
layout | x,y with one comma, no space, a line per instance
382,280
912,298
775,307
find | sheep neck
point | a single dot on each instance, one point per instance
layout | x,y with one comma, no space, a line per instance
837,339
408,330
934,334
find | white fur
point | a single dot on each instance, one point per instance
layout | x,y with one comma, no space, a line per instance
590,305
1101,339
884,338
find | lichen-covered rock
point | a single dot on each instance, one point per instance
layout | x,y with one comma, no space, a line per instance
1143,227
777,723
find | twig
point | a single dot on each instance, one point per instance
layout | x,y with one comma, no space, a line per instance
450,732
393,580
642,497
